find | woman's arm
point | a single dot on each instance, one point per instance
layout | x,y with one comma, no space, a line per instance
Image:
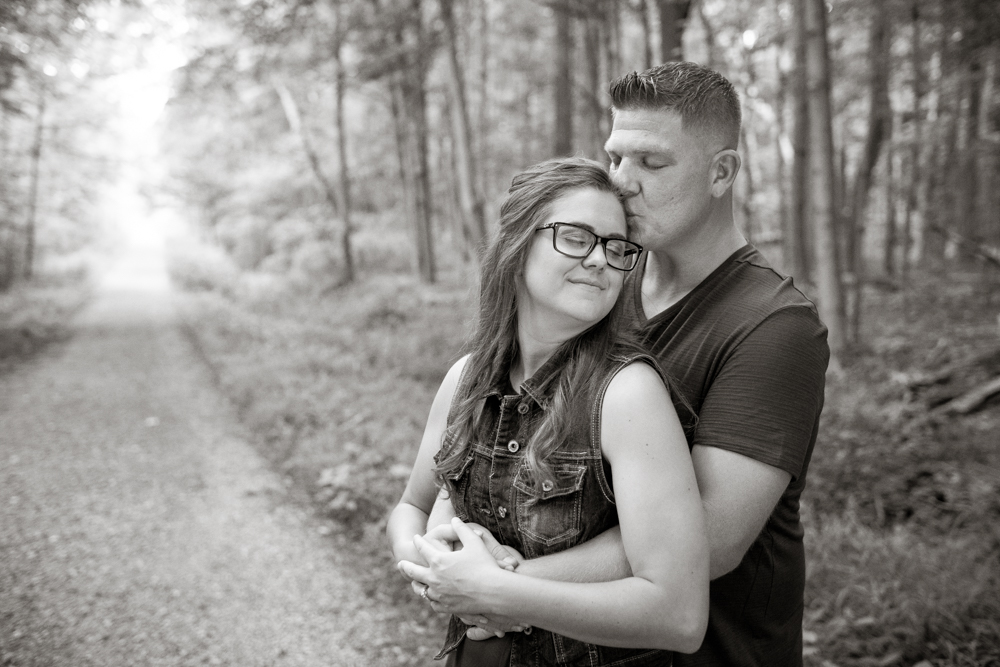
664,604
410,515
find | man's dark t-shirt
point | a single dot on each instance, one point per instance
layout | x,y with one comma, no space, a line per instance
748,353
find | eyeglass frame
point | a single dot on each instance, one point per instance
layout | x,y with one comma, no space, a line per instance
603,240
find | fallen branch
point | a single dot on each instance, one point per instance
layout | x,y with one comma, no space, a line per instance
988,359
989,253
971,399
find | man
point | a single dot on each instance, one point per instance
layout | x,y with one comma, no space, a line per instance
742,347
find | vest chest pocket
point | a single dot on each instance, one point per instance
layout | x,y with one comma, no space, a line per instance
554,517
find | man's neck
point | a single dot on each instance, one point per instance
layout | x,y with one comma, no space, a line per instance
670,276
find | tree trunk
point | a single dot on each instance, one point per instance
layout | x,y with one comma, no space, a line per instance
295,123
403,153
612,46
916,200
933,178
417,112
747,194
821,176
469,198
800,241
8,233
987,146
345,176
36,160
672,16
889,247
784,153
409,107
596,106
965,184
879,128
641,8
414,186
563,130
710,47
481,144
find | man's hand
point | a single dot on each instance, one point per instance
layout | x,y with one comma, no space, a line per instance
443,537
494,626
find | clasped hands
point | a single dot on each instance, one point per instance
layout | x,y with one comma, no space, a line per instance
462,563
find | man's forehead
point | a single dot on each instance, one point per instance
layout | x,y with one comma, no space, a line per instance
646,130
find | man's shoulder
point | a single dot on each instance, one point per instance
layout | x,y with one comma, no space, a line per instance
749,288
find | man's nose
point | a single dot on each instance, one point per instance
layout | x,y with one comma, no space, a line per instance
623,176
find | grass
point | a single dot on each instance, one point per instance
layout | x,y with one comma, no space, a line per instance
337,387
35,314
901,511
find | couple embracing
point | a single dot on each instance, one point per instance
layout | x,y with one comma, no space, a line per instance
611,475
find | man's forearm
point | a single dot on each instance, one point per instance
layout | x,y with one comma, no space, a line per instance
599,559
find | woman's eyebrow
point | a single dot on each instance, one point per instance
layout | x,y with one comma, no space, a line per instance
590,228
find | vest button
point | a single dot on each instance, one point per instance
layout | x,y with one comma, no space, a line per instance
547,485
513,446
522,409
502,512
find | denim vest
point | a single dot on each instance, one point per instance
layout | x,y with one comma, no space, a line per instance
491,489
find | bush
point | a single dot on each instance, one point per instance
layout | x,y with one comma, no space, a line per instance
197,267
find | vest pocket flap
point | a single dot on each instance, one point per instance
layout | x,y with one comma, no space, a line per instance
457,473
567,479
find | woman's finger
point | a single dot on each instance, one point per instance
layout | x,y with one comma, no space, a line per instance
443,532
467,535
413,572
426,548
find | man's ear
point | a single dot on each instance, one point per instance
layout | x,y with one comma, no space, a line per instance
725,166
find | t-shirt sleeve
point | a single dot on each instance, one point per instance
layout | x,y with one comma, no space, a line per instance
766,399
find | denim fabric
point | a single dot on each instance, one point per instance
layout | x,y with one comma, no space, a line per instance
576,505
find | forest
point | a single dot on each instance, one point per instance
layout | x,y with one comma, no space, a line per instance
335,165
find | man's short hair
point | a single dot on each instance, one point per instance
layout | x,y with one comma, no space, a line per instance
705,100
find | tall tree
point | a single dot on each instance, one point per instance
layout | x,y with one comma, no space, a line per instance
821,175
916,198
399,50
987,150
641,9
30,224
340,84
469,195
673,14
799,236
879,129
562,132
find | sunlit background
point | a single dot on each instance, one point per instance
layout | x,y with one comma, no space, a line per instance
310,182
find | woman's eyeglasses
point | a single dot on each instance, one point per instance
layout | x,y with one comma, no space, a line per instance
578,242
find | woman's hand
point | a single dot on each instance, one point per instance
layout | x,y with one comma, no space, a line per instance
457,581
507,557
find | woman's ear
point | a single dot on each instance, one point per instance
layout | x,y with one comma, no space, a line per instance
725,166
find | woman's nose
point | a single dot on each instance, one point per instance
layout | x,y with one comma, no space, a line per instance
597,259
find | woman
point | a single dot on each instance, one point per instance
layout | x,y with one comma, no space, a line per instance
552,430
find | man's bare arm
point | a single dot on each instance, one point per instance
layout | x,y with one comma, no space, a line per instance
738,494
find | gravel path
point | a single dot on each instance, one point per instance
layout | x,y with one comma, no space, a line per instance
139,527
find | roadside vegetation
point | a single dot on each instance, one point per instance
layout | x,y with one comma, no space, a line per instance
902,506
35,314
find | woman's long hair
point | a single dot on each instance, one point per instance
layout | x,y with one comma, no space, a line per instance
493,345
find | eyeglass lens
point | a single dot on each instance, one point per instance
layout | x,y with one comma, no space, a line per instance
578,242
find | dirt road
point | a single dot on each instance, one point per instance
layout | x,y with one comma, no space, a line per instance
138,527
